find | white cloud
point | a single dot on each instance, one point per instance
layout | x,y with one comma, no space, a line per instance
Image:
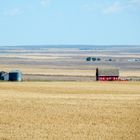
104,7
92,7
13,12
133,5
114,8
117,6
134,2
45,3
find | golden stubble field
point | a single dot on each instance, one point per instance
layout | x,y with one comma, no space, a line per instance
70,110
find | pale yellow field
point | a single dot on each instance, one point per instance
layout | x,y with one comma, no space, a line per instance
68,72
70,110
47,71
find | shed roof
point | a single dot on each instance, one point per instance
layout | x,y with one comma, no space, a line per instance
108,72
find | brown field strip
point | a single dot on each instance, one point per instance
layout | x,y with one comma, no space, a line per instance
68,72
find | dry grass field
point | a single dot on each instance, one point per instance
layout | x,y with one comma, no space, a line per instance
70,110
60,71
70,60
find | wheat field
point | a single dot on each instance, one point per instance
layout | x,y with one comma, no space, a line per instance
70,111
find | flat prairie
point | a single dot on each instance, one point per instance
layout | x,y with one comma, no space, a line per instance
69,63
70,110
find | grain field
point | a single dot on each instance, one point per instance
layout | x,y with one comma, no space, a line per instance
70,111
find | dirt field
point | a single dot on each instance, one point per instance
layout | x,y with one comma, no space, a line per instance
70,110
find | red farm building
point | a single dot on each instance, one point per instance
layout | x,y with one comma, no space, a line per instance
107,74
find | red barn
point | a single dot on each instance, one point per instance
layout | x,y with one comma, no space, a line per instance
107,74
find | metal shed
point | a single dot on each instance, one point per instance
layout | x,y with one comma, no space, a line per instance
15,75
4,76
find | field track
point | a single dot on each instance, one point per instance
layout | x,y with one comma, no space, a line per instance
70,110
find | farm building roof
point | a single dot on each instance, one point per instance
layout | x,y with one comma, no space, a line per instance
108,72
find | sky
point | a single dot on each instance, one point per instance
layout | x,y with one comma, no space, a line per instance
56,22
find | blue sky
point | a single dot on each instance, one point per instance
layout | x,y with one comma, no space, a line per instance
95,22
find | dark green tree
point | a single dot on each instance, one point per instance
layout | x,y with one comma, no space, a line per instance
88,58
